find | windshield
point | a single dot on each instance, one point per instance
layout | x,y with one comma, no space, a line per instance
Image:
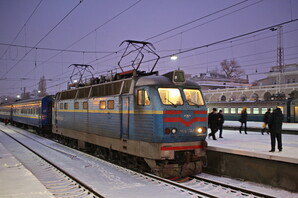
170,96
193,96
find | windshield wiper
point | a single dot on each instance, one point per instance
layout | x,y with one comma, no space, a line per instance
171,102
193,103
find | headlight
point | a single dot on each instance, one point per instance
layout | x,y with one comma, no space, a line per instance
174,130
201,130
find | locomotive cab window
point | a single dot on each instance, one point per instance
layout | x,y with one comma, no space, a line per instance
193,96
170,96
143,98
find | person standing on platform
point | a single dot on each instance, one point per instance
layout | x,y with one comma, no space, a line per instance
275,126
213,123
243,120
221,120
266,118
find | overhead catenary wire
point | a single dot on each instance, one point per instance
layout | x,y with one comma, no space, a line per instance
51,30
193,21
218,11
56,49
214,43
17,35
97,28
177,27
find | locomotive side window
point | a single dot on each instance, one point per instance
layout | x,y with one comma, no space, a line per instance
61,105
170,96
65,105
76,105
143,98
102,104
85,105
110,104
193,96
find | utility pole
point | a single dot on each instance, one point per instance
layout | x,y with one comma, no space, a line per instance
280,55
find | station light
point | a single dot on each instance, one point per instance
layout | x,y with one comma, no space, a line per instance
174,57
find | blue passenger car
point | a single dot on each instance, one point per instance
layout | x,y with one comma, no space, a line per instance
5,111
36,113
161,119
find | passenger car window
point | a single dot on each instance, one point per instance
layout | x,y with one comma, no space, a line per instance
193,96
170,96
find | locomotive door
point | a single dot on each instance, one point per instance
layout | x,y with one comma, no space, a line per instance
124,133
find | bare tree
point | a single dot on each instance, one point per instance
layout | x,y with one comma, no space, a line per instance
231,68
42,87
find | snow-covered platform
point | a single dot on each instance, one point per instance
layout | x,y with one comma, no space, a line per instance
286,127
16,180
255,144
247,156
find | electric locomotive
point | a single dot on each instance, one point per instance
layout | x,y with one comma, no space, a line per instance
157,121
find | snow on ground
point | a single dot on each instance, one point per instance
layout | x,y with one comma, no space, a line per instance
117,182
253,186
107,179
14,178
256,144
286,126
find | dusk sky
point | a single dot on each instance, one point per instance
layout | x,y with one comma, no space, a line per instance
44,37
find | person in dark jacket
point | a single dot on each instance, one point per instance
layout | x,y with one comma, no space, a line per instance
221,120
275,125
243,120
266,118
213,123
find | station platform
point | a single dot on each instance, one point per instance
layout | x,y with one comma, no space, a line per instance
16,180
247,156
290,128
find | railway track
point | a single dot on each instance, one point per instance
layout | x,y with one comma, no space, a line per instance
211,188
58,182
62,185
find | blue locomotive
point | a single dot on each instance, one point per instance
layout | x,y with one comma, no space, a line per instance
148,121
157,121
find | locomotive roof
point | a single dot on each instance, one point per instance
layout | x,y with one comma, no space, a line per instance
162,81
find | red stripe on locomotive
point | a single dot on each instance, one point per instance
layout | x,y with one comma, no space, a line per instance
186,123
